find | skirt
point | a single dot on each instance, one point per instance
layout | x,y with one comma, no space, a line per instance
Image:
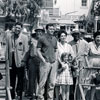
64,78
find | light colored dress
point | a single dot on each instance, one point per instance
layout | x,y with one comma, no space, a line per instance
94,55
65,77
94,60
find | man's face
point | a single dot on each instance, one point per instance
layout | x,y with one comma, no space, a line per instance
39,33
76,36
18,29
50,30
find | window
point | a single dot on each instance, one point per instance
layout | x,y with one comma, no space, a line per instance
84,2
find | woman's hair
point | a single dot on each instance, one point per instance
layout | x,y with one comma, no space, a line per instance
60,32
96,34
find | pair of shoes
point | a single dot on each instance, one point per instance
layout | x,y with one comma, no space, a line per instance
35,97
29,96
26,94
19,97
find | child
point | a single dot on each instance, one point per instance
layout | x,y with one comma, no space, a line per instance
64,77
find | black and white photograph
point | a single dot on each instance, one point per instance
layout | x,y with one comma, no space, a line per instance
49,49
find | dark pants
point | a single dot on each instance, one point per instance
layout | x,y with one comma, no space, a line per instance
16,80
72,89
33,75
19,73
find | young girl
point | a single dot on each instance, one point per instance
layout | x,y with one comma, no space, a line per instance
64,77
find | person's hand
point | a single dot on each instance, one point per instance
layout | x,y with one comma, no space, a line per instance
26,75
63,65
23,64
43,61
93,75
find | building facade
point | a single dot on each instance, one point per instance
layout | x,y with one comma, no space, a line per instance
73,7
49,13
73,12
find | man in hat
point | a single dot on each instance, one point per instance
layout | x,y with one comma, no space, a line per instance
39,32
80,48
32,61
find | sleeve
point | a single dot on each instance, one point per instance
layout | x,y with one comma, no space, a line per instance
56,47
87,49
26,56
39,44
26,46
7,49
72,51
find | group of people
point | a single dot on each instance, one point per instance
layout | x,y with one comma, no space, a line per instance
49,63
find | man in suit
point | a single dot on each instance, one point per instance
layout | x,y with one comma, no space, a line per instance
16,47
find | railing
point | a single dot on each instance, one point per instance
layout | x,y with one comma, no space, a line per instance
79,85
8,94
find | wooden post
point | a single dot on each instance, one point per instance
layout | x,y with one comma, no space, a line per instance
8,94
82,92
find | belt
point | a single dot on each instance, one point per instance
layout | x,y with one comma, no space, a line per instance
51,62
32,57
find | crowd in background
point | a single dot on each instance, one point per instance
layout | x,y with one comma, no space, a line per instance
44,64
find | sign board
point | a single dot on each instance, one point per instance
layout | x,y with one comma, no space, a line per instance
44,16
70,17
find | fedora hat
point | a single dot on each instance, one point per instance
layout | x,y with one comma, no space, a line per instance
39,28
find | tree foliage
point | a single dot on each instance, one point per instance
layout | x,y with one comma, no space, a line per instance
25,11
97,8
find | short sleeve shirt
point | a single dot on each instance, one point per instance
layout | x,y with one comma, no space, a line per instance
94,54
48,46
80,47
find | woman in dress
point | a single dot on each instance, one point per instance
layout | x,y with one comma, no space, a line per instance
94,58
63,80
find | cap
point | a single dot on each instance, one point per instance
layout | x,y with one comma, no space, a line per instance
75,31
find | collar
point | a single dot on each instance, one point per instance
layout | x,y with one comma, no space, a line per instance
13,35
77,41
49,36
96,45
